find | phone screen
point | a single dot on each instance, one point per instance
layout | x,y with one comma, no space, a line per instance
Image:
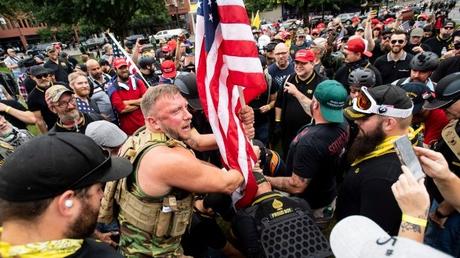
407,156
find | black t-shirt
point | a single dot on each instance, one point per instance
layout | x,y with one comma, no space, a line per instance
36,102
13,120
408,48
293,117
315,154
377,52
81,127
29,84
61,70
437,44
279,76
93,249
344,71
366,191
446,67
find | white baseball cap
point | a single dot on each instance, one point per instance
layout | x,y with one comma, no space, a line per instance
360,237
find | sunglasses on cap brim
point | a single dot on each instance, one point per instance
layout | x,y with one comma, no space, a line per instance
366,104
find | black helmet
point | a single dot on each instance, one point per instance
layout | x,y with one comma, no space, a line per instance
425,61
362,77
186,82
146,61
446,93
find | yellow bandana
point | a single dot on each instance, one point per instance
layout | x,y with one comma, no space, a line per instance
49,249
387,146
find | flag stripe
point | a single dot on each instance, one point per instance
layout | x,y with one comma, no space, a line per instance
233,14
226,59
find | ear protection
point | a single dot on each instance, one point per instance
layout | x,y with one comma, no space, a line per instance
68,203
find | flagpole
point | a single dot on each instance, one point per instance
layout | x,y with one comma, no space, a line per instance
128,58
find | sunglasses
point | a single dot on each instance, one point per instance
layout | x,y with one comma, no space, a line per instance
366,104
386,37
65,104
399,41
315,34
41,76
448,28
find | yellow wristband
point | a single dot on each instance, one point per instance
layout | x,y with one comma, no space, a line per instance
7,110
277,120
414,220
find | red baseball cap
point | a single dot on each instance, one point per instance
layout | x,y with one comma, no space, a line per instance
168,68
166,48
356,45
305,55
389,20
375,21
355,19
321,26
119,62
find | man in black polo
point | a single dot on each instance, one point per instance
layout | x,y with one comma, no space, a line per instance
395,64
289,114
45,119
382,114
439,44
60,67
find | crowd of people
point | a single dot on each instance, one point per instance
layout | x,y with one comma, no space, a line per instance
127,165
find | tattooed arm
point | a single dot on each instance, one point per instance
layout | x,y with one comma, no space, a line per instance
414,202
303,100
294,184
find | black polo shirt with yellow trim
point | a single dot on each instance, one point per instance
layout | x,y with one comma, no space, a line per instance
366,191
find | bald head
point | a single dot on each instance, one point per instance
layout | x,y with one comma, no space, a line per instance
281,56
94,69
280,47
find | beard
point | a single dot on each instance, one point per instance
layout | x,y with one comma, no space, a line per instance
85,223
396,50
69,116
365,143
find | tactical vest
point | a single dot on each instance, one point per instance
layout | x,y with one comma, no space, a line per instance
168,216
288,231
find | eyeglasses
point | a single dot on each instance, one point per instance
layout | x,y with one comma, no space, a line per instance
41,76
366,104
448,28
400,41
301,37
315,34
65,104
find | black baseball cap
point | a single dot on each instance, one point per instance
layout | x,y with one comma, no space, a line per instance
39,70
51,164
447,91
418,92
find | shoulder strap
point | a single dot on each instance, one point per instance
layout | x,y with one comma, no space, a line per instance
451,138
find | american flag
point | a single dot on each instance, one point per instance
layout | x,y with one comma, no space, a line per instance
226,59
405,26
119,52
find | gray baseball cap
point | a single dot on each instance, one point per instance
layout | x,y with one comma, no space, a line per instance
106,134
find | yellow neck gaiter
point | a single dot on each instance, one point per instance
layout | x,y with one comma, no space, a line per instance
387,146
48,249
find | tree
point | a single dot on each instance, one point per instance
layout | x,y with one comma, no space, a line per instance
115,15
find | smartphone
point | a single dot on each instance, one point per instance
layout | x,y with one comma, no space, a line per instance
407,156
143,41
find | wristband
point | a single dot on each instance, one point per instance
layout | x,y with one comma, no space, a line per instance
277,120
7,110
414,220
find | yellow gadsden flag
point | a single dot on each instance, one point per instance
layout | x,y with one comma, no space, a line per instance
255,21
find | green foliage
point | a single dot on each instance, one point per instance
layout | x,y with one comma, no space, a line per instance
45,34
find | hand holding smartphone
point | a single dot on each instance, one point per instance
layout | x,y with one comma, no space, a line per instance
407,156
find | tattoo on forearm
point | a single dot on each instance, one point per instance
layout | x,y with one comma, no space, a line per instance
306,107
409,227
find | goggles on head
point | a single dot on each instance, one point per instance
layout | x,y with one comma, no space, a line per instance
366,104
